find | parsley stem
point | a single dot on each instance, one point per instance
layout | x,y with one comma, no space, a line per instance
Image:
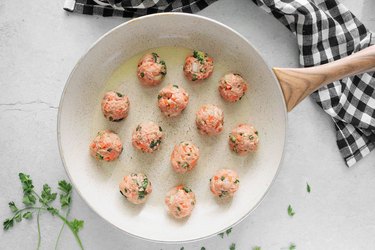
38,224
62,228
71,228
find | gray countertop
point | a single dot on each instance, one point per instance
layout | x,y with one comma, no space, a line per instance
40,44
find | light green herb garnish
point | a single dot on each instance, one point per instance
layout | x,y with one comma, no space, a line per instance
186,189
175,86
199,55
292,246
232,138
257,248
232,246
308,188
222,178
35,203
290,211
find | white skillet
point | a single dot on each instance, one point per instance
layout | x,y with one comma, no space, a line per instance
79,118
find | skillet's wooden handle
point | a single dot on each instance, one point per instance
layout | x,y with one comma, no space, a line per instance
297,83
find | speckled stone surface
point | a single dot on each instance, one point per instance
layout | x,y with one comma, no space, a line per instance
40,44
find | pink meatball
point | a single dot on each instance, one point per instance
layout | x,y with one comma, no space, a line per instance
135,188
172,100
147,137
224,183
232,87
180,201
243,139
184,157
198,66
209,120
151,69
106,146
115,106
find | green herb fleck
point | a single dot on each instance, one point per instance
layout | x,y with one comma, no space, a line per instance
185,165
308,188
160,129
199,55
119,94
222,178
175,86
138,128
228,231
99,156
203,248
155,56
290,211
186,189
159,97
142,74
257,248
221,235
256,132
178,208
194,77
292,246
237,181
155,143
232,138
232,246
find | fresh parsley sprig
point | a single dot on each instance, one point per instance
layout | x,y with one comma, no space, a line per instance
45,203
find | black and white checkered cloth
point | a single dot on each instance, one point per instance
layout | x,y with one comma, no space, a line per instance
325,30
134,8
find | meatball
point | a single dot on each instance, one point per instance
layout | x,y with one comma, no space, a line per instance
151,69
135,188
198,66
180,201
147,137
172,100
243,139
224,183
115,106
232,87
106,146
209,119
184,157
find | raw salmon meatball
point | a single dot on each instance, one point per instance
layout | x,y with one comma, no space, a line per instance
106,146
232,87
135,188
224,183
209,120
147,137
151,69
180,201
172,100
243,139
198,66
184,157
115,106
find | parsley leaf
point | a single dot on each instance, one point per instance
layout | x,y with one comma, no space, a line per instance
29,198
229,230
76,225
292,246
257,248
290,211
186,189
232,246
221,235
13,207
47,195
65,194
8,223
308,188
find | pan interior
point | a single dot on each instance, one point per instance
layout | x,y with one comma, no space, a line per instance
110,65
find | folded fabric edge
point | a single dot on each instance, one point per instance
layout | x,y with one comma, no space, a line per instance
361,153
69,5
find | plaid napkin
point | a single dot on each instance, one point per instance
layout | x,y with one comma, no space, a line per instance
325,30
134,8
